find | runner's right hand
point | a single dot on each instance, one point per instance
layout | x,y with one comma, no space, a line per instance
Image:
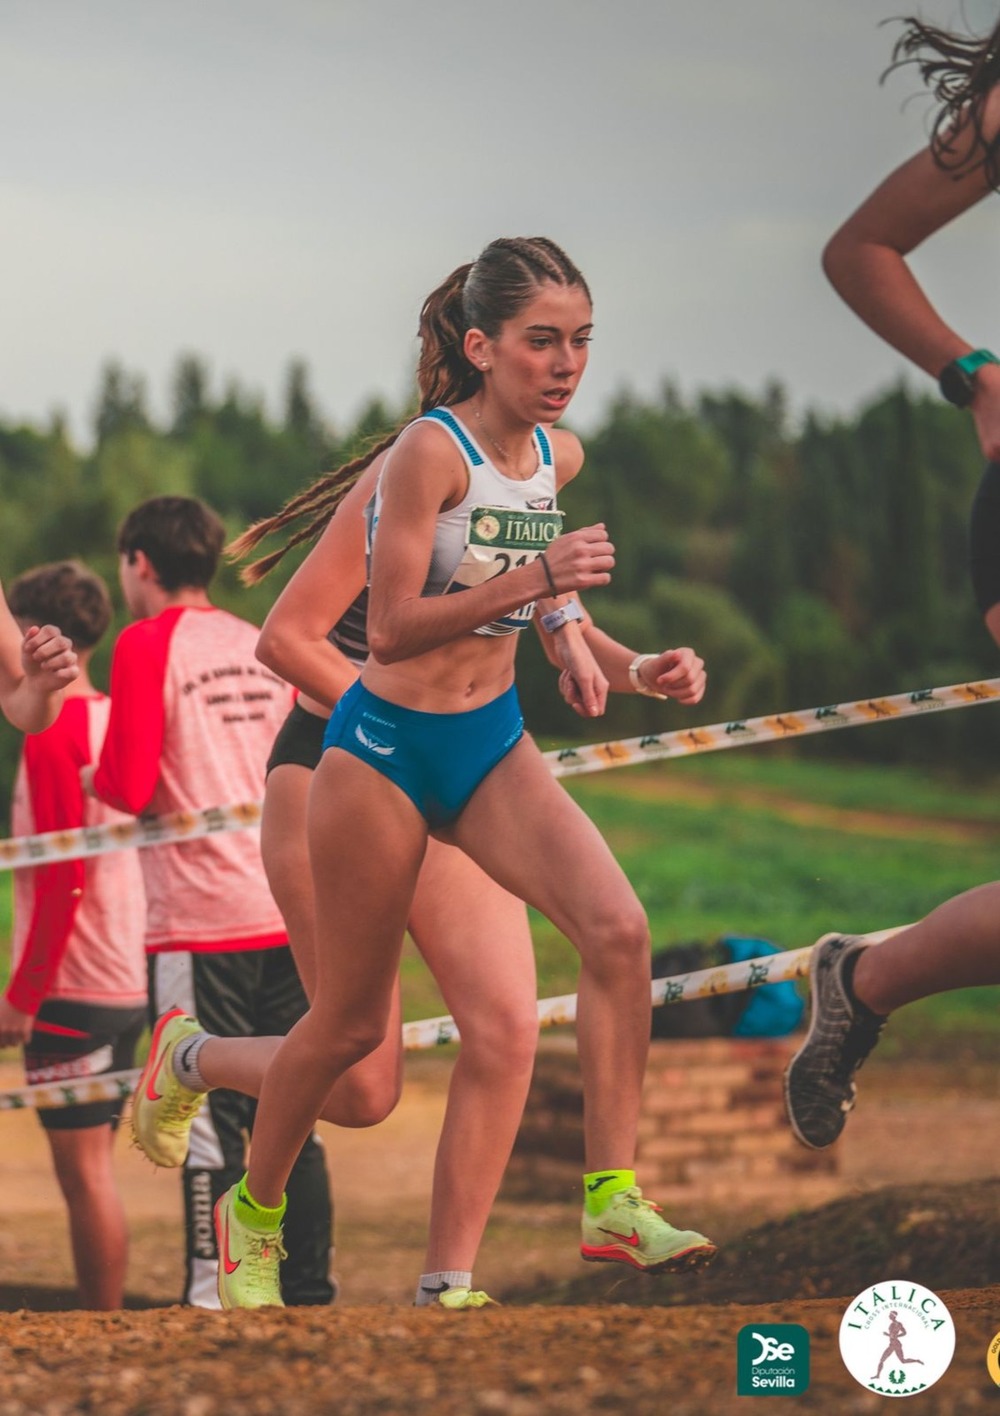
580,560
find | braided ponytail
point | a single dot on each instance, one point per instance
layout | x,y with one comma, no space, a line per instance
444,375
318,502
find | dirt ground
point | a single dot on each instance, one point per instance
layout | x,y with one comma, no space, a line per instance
919,1199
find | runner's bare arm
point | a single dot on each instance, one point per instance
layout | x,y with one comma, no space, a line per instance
594,664
293,641
865,261
418,483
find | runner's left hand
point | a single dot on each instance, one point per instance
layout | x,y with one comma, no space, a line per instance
679,673
588,698
582,683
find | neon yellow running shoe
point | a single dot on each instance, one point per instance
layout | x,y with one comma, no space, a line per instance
163,1109
458,1299
631,1230
249,1259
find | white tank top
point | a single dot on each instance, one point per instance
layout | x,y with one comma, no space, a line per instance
499,525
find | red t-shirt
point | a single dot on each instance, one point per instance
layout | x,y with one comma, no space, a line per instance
79,925
193,719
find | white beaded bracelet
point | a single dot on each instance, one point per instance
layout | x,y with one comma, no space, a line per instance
636,679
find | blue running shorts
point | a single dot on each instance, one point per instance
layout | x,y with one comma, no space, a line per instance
437,759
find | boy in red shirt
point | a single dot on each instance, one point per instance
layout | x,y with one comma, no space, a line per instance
193,719
77,994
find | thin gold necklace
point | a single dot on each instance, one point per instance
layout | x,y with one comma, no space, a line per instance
499,446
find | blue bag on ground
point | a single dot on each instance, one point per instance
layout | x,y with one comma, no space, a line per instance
774,1009
771,1010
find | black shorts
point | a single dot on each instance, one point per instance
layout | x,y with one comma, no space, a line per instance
299,742
73,1042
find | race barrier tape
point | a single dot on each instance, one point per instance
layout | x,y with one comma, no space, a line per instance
437,1032
773,727
18,852
86,841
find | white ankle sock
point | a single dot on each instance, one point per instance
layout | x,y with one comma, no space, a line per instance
185,1062
432,1285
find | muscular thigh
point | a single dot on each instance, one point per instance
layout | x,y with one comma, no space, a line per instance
474,937
528,833
366,842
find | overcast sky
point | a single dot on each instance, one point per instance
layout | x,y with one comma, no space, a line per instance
262,180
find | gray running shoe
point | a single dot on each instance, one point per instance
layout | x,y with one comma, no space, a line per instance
819,1080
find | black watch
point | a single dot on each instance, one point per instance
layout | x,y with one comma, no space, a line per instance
957,380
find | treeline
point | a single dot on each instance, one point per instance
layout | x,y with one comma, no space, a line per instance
808,563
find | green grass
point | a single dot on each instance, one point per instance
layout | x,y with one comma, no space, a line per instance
720,866
733,862
798,772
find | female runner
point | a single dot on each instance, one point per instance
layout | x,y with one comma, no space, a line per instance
492,990
430,740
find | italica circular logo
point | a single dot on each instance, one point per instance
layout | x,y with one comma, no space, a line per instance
488,528
897,1338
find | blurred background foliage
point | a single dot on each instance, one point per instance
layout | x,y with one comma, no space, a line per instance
809,562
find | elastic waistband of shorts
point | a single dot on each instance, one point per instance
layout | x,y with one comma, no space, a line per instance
503,701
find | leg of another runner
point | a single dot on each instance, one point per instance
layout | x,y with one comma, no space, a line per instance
97,1226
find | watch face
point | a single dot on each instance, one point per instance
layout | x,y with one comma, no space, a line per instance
956,385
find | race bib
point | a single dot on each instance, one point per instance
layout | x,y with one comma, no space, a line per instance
499,539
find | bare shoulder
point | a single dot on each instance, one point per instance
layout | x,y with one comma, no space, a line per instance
568,451
425,463
423,439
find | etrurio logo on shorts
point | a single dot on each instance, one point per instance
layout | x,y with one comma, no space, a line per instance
897,1338
772,1359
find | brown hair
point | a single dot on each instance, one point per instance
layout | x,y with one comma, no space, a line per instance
960,71
66,593
481,295
181,536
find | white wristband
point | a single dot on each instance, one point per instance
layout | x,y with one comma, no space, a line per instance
556,618
636,679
